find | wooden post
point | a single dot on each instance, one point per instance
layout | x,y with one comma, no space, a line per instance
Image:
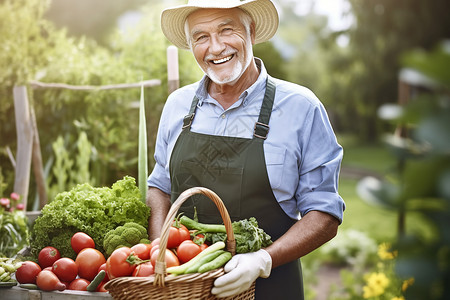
172,69
38,167
24,142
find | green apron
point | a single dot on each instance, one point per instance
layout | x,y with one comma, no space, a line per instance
235,169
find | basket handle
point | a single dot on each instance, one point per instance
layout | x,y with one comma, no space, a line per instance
160,265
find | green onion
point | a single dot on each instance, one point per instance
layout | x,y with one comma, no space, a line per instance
142,167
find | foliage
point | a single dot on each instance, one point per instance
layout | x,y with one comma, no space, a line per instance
13,226
107,117
90,210
66,172
421,184
350,247
379,282
356,78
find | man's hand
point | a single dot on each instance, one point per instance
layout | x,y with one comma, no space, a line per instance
241,271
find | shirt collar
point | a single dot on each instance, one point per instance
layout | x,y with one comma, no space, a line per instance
247,95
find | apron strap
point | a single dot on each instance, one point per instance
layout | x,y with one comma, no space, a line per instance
262,125
187,120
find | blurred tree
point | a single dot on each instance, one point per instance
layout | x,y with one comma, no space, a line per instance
35,49
354,79
273,61
95,19
384,29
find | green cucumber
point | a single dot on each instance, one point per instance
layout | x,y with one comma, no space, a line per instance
182,268
8,284
5,277
216,263
96,281
28,286
204,260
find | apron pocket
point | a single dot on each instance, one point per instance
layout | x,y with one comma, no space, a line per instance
225,182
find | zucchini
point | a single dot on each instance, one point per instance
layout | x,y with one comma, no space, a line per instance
182,268
96,281
204,260
28,286
216,263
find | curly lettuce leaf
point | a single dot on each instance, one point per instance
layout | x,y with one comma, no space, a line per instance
89,209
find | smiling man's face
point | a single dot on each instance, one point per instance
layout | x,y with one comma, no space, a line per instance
221,43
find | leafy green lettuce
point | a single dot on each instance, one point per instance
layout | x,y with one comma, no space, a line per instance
92,210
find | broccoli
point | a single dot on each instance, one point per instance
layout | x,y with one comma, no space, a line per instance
127,235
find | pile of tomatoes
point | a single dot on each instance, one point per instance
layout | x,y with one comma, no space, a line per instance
53,272
180,249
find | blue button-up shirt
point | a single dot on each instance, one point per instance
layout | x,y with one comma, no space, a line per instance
301,151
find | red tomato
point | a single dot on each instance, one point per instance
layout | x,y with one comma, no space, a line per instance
88,262
117,266
155,242
48,281
47,256
79,284
65,268
187,250
28,272
177,235
203,246
171,258
144,270
101,288
142,250
103,267
154,248
80,241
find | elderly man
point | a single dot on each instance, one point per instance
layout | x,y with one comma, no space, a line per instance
264,145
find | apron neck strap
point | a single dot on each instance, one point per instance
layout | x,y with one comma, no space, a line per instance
261,126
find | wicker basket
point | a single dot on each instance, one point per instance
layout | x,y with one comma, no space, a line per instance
189,286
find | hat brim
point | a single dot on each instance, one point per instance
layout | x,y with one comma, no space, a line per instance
263,13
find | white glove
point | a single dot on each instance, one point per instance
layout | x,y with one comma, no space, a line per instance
241,271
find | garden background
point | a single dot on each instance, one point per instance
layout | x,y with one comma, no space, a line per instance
395,175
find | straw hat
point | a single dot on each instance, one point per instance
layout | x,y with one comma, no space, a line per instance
263,13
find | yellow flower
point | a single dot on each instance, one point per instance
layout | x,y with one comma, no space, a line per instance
385,253
398,298
407,283
376,284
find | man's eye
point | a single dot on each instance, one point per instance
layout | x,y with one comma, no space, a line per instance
226,30
200,38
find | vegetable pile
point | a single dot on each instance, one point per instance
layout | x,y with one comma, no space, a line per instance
7,268
93,211
249,237
192,247
55,272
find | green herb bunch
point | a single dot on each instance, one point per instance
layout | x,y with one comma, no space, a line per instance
92,210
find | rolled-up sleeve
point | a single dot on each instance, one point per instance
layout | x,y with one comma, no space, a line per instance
320,166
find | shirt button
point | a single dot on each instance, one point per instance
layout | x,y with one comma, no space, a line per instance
223,116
